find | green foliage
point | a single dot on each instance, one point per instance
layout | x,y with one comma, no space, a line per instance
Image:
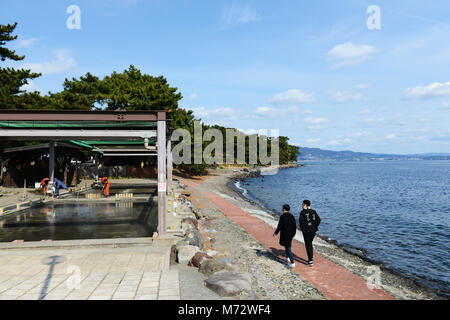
5,36
11,80
129,90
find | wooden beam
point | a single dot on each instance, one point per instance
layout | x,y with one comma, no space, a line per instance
80,115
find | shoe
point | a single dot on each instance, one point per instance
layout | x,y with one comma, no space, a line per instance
291,265
286,259
310,264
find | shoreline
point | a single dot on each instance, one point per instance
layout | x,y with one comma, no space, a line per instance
397,278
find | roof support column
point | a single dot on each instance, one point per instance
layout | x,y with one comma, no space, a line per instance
162,196
96,168
51,162
169,164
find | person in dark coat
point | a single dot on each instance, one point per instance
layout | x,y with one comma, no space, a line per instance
288,228
309,223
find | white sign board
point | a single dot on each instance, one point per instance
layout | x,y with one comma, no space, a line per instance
161,187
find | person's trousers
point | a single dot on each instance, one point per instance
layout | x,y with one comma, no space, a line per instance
308,244
289,254
59,186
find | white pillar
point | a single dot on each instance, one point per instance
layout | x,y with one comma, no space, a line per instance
96,168
162,197
51,162
169,165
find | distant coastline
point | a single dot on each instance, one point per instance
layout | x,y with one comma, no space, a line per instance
316,154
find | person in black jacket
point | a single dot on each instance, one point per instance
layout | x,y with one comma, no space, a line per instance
288,228
309,224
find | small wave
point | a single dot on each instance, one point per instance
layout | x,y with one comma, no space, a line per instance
244,191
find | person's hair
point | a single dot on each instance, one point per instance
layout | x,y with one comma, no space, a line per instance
307,202
286,207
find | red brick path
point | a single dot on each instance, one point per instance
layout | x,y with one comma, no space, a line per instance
334,281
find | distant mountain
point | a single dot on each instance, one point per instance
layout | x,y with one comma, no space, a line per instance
326,155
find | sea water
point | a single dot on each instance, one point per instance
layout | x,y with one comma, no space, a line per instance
398,212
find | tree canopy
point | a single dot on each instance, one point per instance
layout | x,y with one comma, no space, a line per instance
12,95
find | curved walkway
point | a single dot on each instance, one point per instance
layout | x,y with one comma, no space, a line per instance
334,281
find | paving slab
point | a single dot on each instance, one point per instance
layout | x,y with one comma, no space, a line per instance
33,273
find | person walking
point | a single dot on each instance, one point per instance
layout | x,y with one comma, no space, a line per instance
309,223
288,228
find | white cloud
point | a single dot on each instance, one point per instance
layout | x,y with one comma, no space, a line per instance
27,42
349,54
356,134
237,13
334,143
313,140
30,87
293,97
341,142
434,90
341,96
362,86
365,111
265,110
62,63
274,112
218,112
193,96
375,120
390,136
316,120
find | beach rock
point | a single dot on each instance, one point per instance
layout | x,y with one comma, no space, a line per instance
186,227
228,284
180,244
211,252
186,253
212,266
227,260
198,258
194,239
198,214
191,221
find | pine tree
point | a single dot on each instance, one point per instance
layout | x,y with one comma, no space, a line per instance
12,96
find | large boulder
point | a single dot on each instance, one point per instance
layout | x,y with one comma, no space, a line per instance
194,238
198,259
228,284
180,244
185,253
211,266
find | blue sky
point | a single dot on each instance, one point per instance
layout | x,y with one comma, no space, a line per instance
311,69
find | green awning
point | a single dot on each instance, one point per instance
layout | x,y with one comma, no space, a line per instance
84,145
124,143
81,144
